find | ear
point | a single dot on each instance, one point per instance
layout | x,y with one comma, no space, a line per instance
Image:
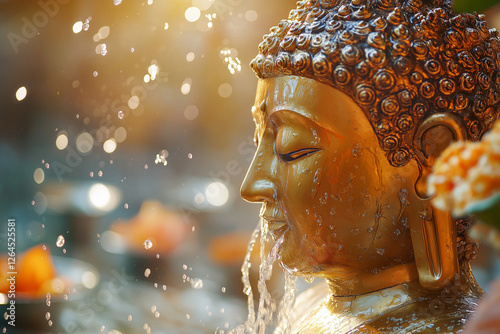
431,138
434,236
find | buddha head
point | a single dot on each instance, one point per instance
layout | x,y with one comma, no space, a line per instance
355,100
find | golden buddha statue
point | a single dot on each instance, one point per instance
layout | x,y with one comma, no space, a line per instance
355,101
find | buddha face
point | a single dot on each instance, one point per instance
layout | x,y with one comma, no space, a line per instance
326,187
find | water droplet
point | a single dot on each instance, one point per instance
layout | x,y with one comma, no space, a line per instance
86,24
157,314
188,316
157,256
155,285
104,49
125,206
60,241
184,267
380,251
190,156
309,279
121,114
32,202
132,49
162,157
117,2
47,315
48,302
223,289
64,250
356,150
147,272
95,73
164,287
103,328
91,174
49,323
99,173
47,165
146,166
197,283
148,244
45,248
403,197
43,225
193,228
129,318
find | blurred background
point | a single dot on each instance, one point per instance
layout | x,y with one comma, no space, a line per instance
125,133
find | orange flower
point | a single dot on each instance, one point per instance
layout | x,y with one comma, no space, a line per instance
467,172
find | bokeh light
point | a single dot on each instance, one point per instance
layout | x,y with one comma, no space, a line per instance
39,175
21,93
133,102
62,141
84,142
191,112
192,14
109,145
99,196
225,90
251,15
120,134
186,86
217,193
77,27
89,279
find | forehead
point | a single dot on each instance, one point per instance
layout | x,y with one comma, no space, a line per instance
323,104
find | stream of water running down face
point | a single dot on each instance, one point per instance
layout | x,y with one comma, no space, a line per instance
267,306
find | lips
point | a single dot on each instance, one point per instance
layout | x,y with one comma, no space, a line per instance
276,227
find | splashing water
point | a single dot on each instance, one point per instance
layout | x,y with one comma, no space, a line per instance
148,244
162,157
60,241
257,322
196,283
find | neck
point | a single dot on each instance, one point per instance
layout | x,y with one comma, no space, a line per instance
359,284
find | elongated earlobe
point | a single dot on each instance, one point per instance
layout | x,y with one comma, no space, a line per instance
434,236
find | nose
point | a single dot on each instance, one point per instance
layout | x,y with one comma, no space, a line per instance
259,185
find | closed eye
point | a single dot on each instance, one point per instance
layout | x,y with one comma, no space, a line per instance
297,154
